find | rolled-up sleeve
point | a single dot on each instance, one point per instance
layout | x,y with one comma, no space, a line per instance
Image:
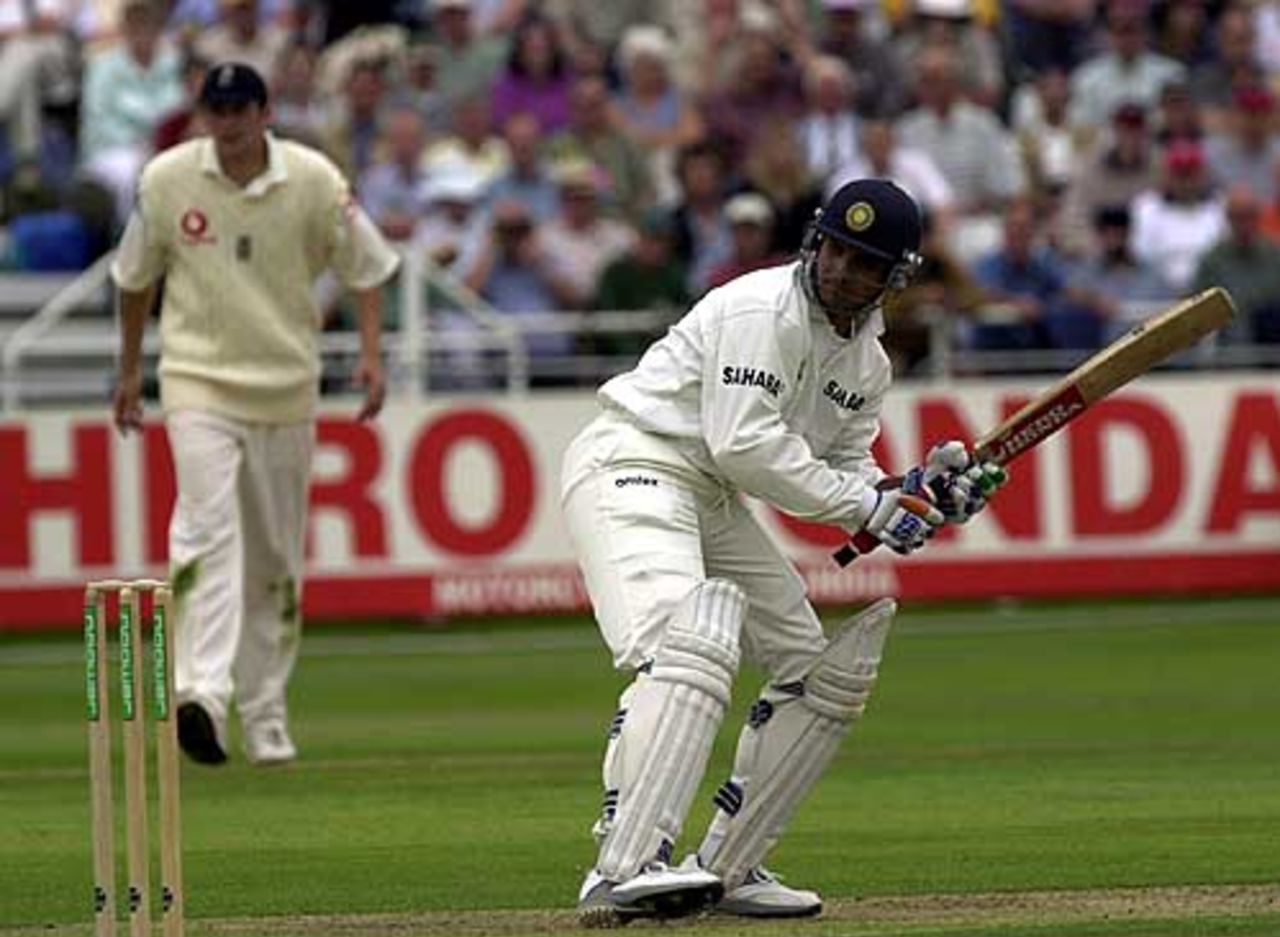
142,254
362,259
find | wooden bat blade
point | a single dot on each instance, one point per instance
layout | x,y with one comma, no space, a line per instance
1146,345
1149,343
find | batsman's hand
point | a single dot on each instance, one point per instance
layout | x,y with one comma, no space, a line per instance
373,379
126,403
954,481
902,521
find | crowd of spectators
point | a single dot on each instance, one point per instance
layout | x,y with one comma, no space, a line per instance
1079,161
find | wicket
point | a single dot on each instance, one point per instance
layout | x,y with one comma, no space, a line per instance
133,719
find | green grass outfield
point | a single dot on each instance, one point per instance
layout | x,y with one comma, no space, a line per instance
1100,769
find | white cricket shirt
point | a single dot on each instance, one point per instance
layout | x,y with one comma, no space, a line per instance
239,324
755,388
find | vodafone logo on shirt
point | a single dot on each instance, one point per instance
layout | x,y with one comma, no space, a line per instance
194,225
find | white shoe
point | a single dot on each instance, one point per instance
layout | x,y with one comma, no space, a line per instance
657,891
595,903
268,743
762,895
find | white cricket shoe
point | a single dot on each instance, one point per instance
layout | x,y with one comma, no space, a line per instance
596,908
268,743
657,891
761,894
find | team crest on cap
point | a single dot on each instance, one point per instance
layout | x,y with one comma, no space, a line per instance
860,216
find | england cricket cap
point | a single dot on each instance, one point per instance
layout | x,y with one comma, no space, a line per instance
875,215
233,83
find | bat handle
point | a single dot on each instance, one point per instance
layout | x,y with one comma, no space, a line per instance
861,543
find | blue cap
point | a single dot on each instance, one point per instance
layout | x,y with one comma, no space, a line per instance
874,215
233,83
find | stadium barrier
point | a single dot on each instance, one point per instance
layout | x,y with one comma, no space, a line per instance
442,337
451,507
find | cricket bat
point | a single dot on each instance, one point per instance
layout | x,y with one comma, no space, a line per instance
1133,354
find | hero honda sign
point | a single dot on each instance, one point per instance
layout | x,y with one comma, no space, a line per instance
453,508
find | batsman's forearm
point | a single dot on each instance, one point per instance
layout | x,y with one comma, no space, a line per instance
134,309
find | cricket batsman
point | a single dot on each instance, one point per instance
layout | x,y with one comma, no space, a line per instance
770,386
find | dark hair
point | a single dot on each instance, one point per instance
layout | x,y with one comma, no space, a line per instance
1111,216
194,62
528,23
699,149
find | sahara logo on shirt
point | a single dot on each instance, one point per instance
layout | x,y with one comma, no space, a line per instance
845,399
752,377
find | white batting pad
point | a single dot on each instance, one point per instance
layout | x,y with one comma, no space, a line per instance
672,714
791,736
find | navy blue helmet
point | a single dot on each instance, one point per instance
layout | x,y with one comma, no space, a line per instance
874,215
878,218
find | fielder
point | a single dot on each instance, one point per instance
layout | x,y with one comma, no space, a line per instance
240,225
770,386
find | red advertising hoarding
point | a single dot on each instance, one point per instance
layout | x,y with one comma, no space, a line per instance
451,508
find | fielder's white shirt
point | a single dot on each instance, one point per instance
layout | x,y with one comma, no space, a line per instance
239,324
755,388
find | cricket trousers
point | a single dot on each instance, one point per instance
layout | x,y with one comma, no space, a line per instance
236,544
647,527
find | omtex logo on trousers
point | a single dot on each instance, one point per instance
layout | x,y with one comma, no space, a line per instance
625,481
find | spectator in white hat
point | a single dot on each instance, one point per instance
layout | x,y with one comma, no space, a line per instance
452,219
750,218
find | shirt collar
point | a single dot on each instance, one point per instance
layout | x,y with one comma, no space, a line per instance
275,173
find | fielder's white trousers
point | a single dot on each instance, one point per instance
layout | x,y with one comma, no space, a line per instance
239,526
647,527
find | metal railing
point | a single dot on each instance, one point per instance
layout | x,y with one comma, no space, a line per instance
84,290
51,357
446,337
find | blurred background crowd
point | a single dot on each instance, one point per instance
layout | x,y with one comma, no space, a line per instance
1080,162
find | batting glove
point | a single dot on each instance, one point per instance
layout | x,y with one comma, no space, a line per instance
902,521
957,485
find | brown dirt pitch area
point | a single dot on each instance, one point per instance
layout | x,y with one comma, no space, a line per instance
934,915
